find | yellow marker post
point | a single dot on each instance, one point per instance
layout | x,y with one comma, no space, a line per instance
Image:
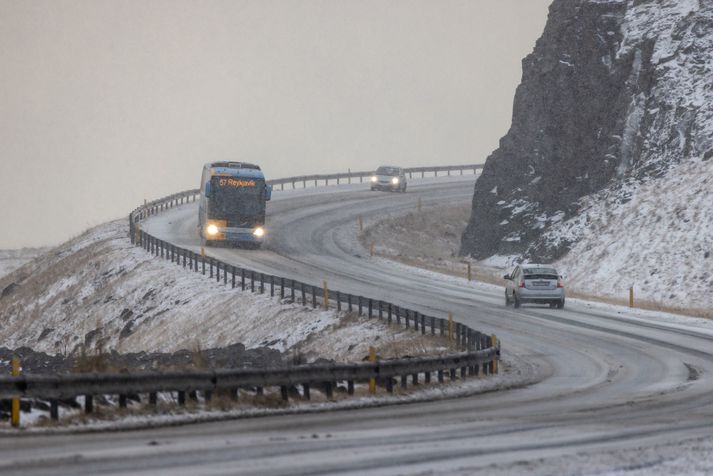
137,232
450,326
494,340
631,296
470,275
15,407
202,252
325,301
361,224
372,381
371,248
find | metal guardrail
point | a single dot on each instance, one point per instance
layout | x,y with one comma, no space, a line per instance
479,353
350,176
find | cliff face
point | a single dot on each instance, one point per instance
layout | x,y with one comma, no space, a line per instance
616,93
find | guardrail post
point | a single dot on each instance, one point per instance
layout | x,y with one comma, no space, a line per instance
414,378
15,403
282,288
404,381
325,297
292,291
453,374
381,311
349,302
232,269
360,306
153,399
350,387
397,310
450,326
494,361
414,314
272,286
242,279
470,275
181,398
262,283
225,274
440,376
372,380
252,281
427,377
88,404
390,384
210,262
328,390
433,325
122,401
283,393
314,297
304,297
54,409
305,391
423,323
398,318
339,302
406,320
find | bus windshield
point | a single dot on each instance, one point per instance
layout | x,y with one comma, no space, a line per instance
237,196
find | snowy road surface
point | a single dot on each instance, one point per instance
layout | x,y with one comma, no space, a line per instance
612,385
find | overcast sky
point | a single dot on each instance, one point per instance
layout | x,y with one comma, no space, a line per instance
105,103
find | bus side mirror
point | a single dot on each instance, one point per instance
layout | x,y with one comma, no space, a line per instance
268,192
207,189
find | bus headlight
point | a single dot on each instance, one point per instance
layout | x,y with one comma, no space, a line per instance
211,229
373,178
259,232
395,180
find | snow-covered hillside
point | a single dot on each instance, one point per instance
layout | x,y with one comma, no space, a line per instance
99,290
607,169
10,260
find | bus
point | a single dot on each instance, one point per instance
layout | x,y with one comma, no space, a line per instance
232,204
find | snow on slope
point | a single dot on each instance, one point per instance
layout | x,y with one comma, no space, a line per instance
10,260
660,241
653,229
99,287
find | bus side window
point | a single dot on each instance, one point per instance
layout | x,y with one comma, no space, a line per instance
268,192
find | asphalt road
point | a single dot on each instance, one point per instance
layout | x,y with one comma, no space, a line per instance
604,379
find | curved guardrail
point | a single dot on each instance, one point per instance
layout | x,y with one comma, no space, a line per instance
478,352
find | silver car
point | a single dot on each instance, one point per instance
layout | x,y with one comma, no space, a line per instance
389,178
534,283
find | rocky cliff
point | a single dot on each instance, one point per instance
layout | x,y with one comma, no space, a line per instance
616,94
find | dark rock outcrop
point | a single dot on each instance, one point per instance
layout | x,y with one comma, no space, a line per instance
594,108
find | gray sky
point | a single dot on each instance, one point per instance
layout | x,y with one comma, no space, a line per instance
105,103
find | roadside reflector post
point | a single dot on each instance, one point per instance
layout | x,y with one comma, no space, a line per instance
631,296
361,223
419,204
202,252
15,406
371,248
450,326
137,233
470,275
372,381
325,300
494,343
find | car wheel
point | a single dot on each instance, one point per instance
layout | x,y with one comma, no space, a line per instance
507,299
560,304
553,305
516,301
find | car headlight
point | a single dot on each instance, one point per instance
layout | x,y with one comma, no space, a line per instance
259,231
374,179
212,229
395,180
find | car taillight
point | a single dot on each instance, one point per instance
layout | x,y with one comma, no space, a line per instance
522,284
560,284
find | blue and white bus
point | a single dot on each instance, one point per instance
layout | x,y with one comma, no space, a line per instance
232,204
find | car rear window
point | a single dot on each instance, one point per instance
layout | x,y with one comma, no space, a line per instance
541,273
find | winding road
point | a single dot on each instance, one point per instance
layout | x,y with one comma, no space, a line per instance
602,379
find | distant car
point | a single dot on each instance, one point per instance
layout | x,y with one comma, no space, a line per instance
534,283
389,178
